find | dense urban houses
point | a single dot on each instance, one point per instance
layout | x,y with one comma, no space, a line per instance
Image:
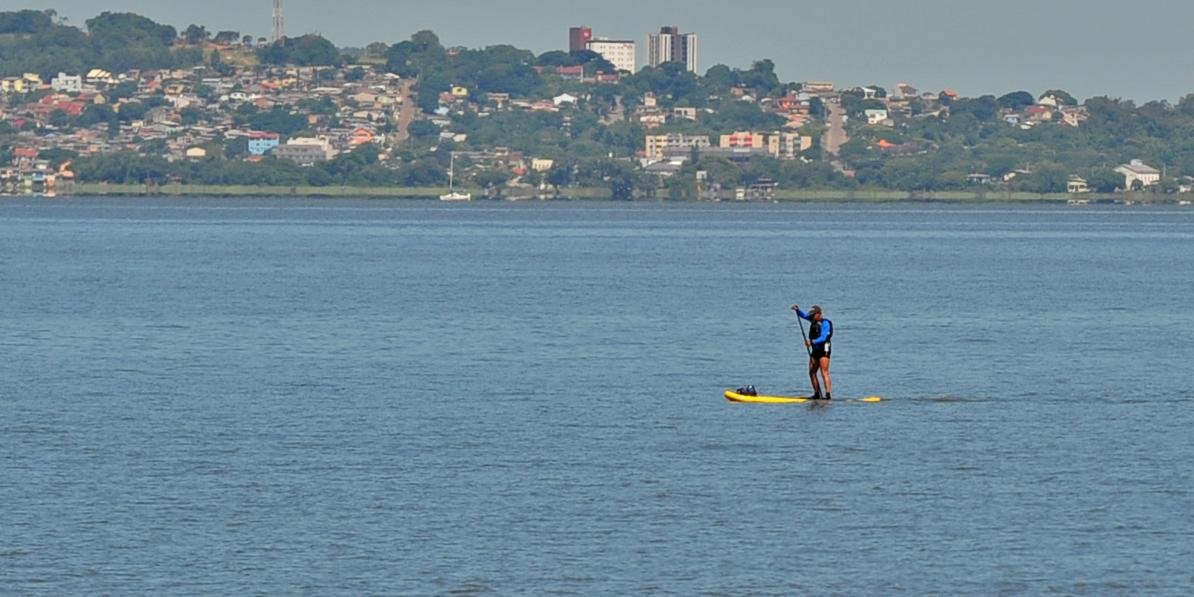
232,109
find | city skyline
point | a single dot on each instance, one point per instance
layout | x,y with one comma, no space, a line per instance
1062,44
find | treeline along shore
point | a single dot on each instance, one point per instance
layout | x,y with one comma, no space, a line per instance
601,193
125,105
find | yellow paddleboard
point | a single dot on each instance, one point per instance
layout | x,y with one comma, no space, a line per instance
733,396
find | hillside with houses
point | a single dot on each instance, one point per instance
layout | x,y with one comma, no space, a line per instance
130,101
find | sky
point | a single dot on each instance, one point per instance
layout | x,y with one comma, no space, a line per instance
1138,50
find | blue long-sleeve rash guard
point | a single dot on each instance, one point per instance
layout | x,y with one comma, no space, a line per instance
826,327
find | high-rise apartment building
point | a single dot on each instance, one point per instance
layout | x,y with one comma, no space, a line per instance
579,38
622,54
669,45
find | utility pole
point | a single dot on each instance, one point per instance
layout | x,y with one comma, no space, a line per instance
279,22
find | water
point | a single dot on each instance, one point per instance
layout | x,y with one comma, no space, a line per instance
402,397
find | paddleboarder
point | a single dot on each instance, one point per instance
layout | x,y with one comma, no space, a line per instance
819,344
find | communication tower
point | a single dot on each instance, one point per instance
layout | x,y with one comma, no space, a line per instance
279,21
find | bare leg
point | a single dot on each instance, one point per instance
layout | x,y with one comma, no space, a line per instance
825,373
812,375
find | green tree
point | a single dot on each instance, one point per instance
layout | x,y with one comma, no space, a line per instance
308,50
1050,178
376,51
195,34
95,114
227,38
720,78
560,175
236,148
594,62
131,111
430,89
422,52
423,173
492,181
1065,98
984,108
761,77
680,188
191,115
1017,100
113,31
56,156
25,21
278,120
1105,180
556,58
59,119
423,130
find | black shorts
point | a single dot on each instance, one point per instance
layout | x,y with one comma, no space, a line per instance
821,351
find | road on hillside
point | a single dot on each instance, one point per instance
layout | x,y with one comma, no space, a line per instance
835,135
407,111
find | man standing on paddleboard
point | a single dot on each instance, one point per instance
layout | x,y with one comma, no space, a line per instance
819,344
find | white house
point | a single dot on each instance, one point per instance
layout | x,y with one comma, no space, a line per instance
1137,170
65,83
876,116
565,98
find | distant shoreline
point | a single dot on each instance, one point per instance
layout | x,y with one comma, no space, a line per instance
588,193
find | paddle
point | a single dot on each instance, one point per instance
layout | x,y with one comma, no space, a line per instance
800,320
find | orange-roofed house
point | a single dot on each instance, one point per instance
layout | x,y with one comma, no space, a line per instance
361,136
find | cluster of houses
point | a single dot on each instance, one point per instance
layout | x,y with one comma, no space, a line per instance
345,108
1136,174
664,154
28,174
41,114
795,109
1048,109
903,98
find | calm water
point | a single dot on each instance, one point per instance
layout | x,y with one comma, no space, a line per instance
402,397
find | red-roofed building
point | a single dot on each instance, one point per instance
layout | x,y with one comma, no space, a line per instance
23,158
1038,113
571,72
361,136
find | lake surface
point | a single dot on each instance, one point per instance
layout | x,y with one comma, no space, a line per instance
279,397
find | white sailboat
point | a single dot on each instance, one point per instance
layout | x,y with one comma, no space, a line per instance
453,194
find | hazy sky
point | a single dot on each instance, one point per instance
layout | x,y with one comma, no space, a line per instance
1141,50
